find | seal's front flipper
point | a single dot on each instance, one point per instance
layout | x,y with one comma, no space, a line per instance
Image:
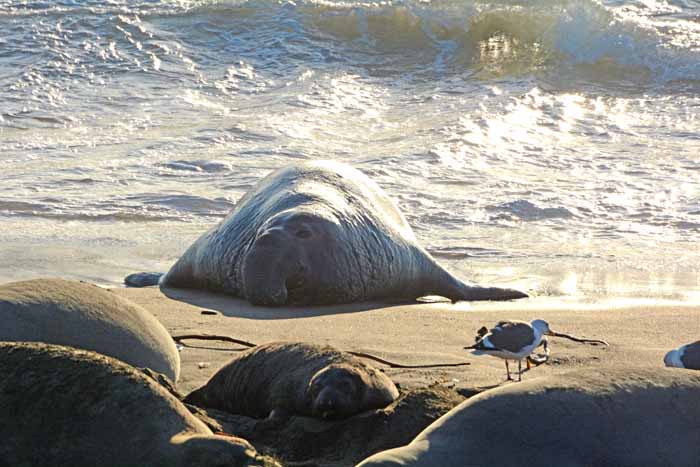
143,279
278,416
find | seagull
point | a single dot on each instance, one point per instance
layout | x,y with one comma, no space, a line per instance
513,340
685,356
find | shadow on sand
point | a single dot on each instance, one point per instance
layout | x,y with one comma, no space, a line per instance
237,308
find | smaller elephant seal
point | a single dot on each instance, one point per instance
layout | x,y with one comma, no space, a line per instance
85,316
316,233
63,406
686,356
614,416
296,379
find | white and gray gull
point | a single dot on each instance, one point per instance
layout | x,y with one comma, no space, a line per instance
513,340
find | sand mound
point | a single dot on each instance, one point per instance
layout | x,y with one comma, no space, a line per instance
303,441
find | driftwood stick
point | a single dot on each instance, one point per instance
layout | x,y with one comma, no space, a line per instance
399,365
212,337
578,339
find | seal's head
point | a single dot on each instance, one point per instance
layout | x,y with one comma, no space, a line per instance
291,257
673,359
336,391
341,390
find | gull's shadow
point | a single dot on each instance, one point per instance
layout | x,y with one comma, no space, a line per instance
237,308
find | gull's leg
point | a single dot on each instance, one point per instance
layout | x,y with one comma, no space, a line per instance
508,372
520,370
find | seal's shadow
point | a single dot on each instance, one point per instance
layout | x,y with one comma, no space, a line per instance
237,308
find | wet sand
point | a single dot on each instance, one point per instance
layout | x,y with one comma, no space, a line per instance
639,333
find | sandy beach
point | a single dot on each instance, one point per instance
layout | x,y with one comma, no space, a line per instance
332,152
639,333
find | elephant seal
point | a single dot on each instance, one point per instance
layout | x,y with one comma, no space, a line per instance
296,378
316,233
57,311
592,417
685,356
63,406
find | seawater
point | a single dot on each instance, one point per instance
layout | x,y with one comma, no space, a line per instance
549,145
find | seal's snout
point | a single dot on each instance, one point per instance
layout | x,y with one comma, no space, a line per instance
268,297
264,269
327,408
332,406
668,359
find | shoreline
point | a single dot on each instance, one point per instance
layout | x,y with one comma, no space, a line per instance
33,263
639,334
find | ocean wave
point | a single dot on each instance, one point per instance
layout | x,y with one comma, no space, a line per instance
134,208
21,207
489,38
198,166
90,42
189,204
457,253
501,38
57,215
527,211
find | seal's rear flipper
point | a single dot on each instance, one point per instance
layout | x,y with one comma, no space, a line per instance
143,279
474,293
440,282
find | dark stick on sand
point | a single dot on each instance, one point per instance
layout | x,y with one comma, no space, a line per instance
212,337
399,365
577,339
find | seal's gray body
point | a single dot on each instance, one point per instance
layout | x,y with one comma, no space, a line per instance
686,356
593,417
280,377
85,316
317,233
62,406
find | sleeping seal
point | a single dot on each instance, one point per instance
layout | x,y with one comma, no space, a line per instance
685,356
593,417
57,311
316,233
296,379
62,406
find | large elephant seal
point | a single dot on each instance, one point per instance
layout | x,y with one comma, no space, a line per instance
312,234
82,315
296,378
593,417
62,406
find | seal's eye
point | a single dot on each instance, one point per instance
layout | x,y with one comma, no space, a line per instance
303,233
